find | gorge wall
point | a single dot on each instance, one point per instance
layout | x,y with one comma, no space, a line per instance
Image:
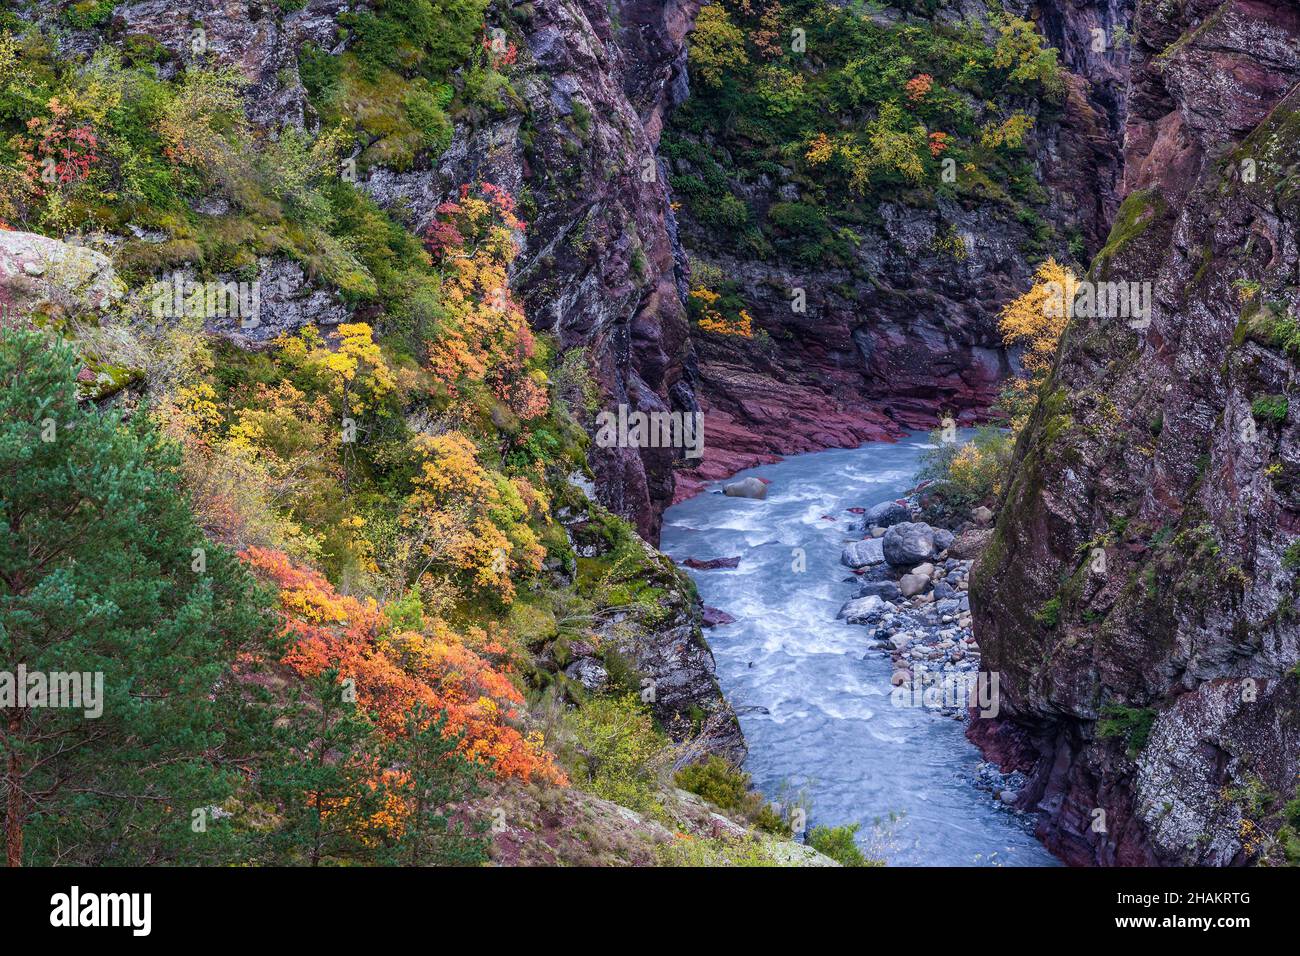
1138,597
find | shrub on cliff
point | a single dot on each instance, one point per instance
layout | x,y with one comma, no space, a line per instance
729,789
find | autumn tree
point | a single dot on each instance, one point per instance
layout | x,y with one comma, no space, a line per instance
717,46
104,573
1036,320
435,777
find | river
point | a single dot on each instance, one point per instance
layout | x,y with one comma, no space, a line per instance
811,692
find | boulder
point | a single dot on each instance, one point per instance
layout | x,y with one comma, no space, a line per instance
912,584
982,515
886,514
712,617
886,590
589,673
712,564
43,276
746,488
864,610
864,554
908,544
943,539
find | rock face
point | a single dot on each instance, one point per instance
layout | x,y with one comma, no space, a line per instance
43,276
599,268
1138,595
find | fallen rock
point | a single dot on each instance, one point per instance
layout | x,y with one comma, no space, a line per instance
864,610
908,544
712,564
982,515
886,514
746,488
713,617
912,584
863,554
885,590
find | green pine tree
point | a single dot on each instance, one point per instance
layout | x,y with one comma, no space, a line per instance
103,571
437,775
329,784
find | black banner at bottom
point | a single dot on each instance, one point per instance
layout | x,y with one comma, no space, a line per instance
141,906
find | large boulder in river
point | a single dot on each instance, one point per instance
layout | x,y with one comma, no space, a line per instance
746,488
909,543
863,610
885,515
863,554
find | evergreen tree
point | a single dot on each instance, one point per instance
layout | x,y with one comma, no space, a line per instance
104,573
437,774
333,791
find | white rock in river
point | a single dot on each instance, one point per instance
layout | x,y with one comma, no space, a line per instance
862,610
864,554
746,488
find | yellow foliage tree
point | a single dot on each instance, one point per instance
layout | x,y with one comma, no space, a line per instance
462,519
717,45
1036,320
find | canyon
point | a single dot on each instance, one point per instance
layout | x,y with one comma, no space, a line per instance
1137,596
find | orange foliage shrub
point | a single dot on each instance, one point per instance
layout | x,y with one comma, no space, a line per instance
918,86
394,672
485,337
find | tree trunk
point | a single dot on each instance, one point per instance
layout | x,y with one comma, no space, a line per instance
14,809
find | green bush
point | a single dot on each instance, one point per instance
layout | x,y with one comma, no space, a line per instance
1049,615
840,844
620,754
1270,408
730,790
1133,724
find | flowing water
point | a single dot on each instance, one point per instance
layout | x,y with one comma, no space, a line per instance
812,695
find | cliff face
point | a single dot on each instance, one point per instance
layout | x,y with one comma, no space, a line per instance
1138,597
599,268
576,141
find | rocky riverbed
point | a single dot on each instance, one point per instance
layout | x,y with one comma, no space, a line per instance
831,709
913,583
